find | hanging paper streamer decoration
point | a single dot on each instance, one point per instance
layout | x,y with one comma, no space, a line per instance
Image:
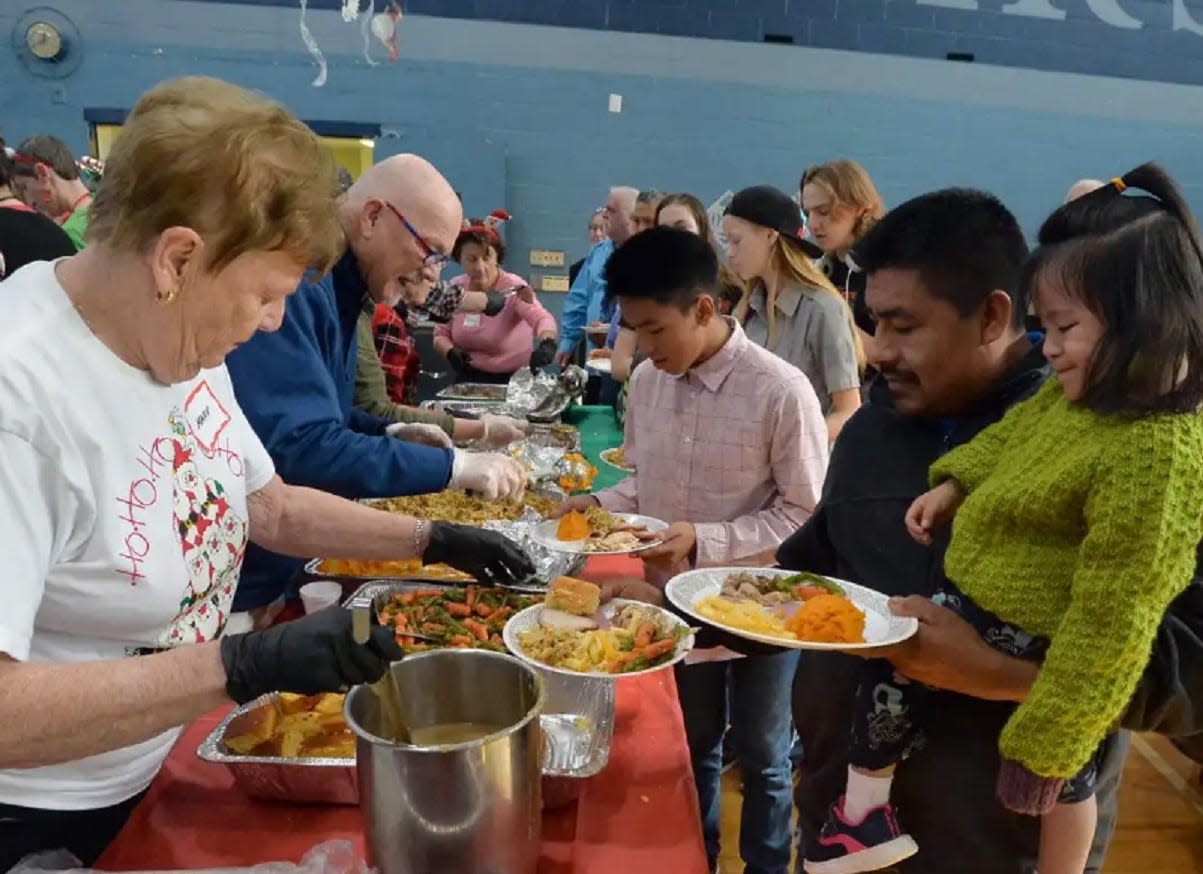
365,29
714,212
314,51
384,27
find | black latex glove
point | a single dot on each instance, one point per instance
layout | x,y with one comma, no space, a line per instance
488,556
544,354
310,655
458,359
496,303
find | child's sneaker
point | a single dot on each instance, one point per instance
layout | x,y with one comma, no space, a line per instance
845,847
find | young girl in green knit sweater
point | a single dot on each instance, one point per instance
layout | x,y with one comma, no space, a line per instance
1077,521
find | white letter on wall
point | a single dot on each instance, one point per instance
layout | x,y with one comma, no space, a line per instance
970,5
1034,9
1183,20
1109,12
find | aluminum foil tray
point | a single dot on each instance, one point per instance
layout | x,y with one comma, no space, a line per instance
473,391
471,409
312,781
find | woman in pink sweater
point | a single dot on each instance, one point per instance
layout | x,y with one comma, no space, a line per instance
483,348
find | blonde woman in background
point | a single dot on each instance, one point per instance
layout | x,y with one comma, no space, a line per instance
841,203
792,309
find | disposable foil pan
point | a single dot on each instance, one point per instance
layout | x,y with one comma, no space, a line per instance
473,391
578,719
473,409
313,781
548,563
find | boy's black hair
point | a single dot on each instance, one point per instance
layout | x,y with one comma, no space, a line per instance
963,243
1137,263
667,265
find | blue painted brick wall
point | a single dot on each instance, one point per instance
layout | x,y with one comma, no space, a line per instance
1080,43
516,114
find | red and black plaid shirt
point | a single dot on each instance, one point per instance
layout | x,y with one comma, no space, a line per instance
398,355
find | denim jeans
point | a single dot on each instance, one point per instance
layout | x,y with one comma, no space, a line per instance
753,694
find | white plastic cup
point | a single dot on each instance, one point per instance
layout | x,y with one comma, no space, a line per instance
320,595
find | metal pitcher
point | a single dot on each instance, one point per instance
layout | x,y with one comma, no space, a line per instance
469,808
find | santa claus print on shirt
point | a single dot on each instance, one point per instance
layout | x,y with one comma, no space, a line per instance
212,537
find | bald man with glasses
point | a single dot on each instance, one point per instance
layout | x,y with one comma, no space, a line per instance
297,385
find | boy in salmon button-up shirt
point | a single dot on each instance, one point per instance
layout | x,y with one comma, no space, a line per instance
729,445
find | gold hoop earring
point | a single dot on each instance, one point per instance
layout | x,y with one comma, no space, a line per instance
166,297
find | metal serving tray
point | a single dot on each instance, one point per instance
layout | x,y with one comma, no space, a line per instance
477,392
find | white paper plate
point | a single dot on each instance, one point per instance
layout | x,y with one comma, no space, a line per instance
882,628
601,365
544,534
529,618
624,468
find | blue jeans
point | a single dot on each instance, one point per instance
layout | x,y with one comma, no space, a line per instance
753,694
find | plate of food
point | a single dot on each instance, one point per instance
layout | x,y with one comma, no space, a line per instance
616,457
572,633
458,618
598,532
788,609
600,364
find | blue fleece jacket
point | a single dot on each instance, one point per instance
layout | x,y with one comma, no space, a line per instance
296,387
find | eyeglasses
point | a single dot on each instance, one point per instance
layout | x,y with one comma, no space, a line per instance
431,257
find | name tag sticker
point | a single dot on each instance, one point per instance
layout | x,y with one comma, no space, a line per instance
472,321
205,415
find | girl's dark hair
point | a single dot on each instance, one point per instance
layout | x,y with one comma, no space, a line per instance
1137,262
484,236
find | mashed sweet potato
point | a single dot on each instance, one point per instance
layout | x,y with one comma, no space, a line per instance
828,619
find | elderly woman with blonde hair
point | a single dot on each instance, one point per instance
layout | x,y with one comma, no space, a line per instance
130,481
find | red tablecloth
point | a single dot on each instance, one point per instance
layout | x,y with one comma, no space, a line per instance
640,813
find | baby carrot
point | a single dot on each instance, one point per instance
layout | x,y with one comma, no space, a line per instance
657,649
644,634
458,609
482,609
461,640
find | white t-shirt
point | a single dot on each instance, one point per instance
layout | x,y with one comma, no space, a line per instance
123,517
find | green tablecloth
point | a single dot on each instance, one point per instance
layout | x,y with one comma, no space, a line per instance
599,431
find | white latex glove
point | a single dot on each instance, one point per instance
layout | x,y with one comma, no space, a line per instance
501,431
420,432
488,474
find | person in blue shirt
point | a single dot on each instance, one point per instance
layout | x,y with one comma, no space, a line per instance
585,303
296,385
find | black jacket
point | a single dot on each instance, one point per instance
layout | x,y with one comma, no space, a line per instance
946,791
851,284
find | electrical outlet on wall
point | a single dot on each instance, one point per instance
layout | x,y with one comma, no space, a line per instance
616,103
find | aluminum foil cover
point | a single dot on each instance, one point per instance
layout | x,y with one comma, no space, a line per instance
542,463
548,564
544,396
